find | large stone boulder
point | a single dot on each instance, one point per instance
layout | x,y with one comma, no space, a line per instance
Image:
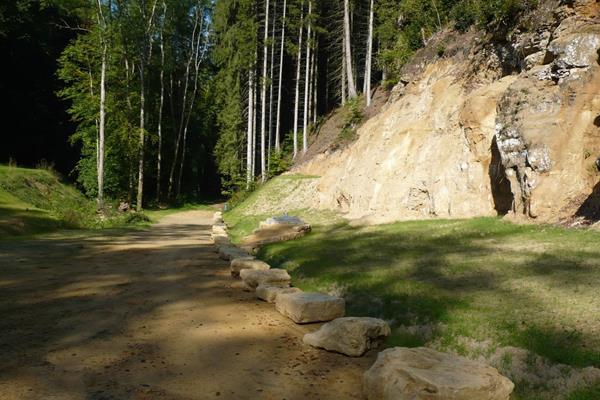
219,230
426,374
240,263
269,293
218,217
352,336
273,277
228,252
304,308
221,240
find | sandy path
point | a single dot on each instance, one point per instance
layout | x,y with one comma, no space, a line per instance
150,315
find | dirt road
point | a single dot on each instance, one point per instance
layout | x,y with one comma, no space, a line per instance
150,315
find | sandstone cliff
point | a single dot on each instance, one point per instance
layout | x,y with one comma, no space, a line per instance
488,127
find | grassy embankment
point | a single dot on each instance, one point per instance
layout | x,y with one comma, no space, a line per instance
473,287
34,201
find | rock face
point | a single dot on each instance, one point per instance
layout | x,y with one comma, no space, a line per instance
352,336
489,128
240,263
310,307
273,277
426,374
269,293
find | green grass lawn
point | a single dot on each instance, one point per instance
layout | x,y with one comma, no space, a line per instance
473,287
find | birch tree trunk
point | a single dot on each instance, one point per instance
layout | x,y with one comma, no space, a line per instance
298,70
348,51
263,133
278,118
306,82
368,60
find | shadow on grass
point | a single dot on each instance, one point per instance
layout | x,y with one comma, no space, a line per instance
480,278
22,222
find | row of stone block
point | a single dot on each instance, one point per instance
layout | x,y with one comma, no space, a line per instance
398,373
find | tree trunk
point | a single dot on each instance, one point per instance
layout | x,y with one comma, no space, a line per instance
306,82
348,51
160,109
298,70
102,111
140,191
197,62
183,108
344,71
254,114
249,131
100,153
263,133
367,85
278,122
269,144
315,81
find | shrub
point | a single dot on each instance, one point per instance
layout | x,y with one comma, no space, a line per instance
352,118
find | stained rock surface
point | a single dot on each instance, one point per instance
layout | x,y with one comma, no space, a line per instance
269,293
402,373
240,263
352,336
304,307
273,277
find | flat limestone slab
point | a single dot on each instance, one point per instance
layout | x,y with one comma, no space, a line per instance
352,336
240,263
304,308
269,293
227,252
273,277
426,374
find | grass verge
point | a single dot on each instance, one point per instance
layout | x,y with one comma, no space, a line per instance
477,287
